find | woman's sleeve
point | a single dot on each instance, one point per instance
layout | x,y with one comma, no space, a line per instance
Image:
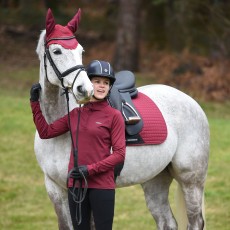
118,147
44,129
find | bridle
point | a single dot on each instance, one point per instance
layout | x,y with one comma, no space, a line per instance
81,191
56,70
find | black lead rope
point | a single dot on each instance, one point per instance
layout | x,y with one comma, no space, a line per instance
78,196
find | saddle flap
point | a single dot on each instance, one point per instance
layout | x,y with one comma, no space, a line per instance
120,98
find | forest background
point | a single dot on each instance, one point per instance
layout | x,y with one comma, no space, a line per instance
180,43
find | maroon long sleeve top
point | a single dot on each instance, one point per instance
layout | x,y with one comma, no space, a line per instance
101,139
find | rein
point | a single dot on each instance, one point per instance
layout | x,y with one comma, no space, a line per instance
81,192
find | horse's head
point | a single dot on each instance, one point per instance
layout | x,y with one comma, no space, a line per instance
61,57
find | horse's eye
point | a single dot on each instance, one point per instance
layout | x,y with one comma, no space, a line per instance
57,51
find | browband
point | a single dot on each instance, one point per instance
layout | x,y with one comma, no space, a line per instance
61,38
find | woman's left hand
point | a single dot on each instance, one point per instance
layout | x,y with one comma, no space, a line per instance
79,173
83,171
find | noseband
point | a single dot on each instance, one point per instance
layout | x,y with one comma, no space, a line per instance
56,70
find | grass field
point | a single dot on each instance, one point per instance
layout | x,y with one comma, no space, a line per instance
24,204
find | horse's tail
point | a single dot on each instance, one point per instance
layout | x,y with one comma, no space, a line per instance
203,211
180,209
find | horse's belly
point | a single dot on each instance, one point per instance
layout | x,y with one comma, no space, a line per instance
144,162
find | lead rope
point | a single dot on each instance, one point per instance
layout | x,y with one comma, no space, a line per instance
81,192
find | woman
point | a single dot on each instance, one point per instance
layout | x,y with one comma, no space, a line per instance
101,129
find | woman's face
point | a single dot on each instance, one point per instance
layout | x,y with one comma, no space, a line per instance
101,86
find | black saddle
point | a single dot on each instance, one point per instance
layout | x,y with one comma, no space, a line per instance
120,97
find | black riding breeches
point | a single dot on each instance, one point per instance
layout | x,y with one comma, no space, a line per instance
98,201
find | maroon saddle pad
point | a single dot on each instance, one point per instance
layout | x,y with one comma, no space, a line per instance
154,129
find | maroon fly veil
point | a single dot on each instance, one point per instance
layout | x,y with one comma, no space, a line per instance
62,35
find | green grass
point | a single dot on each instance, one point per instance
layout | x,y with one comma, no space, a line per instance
24,204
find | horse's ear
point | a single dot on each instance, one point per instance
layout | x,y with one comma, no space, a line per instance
73,24
50,22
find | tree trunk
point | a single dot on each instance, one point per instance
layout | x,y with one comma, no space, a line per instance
127,40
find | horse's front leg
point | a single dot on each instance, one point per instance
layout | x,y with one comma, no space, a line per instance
156,195
59,198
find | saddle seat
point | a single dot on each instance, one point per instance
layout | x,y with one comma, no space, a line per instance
125,82
120,97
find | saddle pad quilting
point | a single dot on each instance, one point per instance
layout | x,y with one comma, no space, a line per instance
154,129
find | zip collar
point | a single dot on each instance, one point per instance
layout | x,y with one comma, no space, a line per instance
97,105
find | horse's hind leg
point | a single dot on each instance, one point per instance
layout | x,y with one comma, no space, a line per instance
191,180
193,194
59,198
156,195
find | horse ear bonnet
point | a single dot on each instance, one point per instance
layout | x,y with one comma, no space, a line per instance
62,35
73,24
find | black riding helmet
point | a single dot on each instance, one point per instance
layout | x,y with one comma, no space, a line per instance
101,69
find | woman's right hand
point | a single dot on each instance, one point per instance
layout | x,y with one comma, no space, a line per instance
34,92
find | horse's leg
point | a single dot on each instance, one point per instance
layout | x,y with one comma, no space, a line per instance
59,198
193,196
191,180
156,195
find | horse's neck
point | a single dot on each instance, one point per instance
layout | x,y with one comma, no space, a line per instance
53,104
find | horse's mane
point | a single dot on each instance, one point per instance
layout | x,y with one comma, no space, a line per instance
40,46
